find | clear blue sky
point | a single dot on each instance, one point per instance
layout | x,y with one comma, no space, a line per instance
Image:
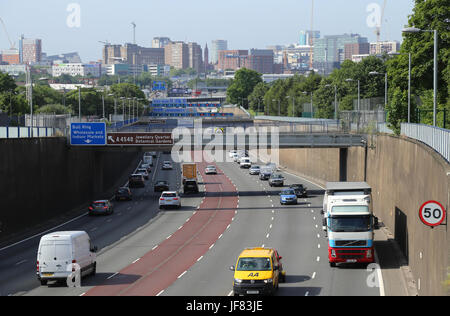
244,23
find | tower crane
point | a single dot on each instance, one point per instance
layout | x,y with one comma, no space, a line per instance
12,45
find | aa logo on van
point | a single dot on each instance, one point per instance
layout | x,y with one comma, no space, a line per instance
254,275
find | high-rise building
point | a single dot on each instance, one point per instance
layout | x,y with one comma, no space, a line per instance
132,54
216,47
232,59
206,58
195,57
355,49
384,48
30,50
306,36
160,42
261,60
177,55
329,51
77,70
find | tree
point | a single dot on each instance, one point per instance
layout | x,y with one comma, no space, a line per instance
427,15
256,98
245,80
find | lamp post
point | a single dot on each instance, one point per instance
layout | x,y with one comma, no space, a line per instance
409,81
376,73
435,70
335,100
312,108
359,91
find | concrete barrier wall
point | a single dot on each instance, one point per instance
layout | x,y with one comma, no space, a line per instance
403,174
41,179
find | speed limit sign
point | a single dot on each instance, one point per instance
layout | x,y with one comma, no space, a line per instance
432,213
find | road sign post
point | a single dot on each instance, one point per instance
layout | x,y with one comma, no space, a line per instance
88,134
432,213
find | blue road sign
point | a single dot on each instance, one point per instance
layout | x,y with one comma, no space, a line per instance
88,134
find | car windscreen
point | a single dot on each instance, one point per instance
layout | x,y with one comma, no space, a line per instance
161,183
254,264
169,195
288,192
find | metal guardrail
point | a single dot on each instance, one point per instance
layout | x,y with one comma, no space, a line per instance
436,138
8,132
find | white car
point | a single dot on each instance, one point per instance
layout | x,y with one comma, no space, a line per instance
169,199
167,165
232,153
245,162
211,170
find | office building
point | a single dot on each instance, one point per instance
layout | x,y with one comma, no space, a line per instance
77,69
216,47
329,51
177,55
195,57
380,48
160,42
232,59
11,56
261,60
355,49
132,54
307,36
30,50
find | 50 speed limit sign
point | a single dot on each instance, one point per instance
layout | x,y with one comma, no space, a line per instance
432,213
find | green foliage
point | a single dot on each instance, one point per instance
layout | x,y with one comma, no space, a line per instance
242,86
53,109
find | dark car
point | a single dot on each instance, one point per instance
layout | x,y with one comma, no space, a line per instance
123,194
161,186
101,207
190,186
136,181
299,189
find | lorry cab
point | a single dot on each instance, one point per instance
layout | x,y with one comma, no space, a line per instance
350,228
258,271
60,254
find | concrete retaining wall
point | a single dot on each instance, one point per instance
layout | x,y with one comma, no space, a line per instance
43,178
403,174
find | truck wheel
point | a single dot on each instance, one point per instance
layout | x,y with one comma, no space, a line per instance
332,264
43,282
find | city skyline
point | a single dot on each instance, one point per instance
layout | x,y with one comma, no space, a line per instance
200,21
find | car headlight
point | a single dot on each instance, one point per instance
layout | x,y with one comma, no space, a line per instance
238,281
268,281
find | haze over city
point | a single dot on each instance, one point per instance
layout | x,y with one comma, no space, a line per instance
263,22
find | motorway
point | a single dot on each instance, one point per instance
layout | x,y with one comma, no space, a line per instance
188,252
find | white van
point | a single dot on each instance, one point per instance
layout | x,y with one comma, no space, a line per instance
62,255
245,162
148,160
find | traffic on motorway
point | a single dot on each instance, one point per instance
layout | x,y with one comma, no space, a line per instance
92,255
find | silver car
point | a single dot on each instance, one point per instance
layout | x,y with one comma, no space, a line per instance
211,170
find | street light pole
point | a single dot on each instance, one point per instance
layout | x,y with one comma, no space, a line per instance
435,67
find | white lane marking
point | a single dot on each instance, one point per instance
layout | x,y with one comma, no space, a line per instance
199,258
20,262
168,237
307,293
318,259
136,260
231,293
181,275
160,293
112,276
267,236
155,247
211,246
313,276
